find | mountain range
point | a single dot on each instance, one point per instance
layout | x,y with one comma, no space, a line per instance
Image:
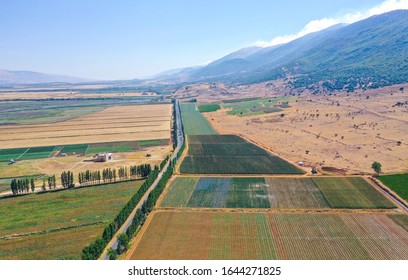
367,54
28,77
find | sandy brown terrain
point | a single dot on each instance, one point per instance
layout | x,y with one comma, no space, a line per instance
347,132
119,123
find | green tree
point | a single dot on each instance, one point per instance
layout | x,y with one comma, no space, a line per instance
32,184
123,243
112,254
376,166
43,185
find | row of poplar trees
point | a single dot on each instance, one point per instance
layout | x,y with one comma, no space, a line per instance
109,175
19,186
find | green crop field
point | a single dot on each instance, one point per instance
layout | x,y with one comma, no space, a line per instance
26,153
256,106
8,154
240,100
180,192
351,192
193,122
280,193
256,236
398,183
230,154
55,210
78,149
209,107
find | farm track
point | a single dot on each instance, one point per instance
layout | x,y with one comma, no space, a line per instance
278,210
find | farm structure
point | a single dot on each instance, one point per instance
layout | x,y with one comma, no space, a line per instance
104,157
229,236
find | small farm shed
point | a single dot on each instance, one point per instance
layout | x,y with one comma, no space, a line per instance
104,157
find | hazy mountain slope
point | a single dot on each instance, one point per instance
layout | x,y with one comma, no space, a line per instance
28,77
368,53
372,51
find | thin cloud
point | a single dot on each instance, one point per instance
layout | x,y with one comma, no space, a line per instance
320,24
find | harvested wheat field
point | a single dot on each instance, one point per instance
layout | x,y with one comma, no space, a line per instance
228,236
118,123
347,131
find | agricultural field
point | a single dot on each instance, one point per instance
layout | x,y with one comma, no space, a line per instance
78,149
230,154
117,123
351,192
277,193
20,108
78,163
212,107
398,183
74,217
255,106
229,236
194,122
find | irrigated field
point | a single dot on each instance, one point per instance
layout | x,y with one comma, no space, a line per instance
255,106
205,108
194,235
351,192
398,183
193,122
120,123
230,154
280,193
90,208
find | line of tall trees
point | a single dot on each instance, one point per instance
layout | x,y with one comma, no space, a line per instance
109,175
52,182
141,213
67,179
19,186
95,249
24,185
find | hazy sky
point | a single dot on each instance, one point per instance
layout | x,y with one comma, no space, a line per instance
126,39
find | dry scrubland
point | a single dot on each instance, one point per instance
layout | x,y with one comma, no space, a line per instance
195,235
119,123
345,132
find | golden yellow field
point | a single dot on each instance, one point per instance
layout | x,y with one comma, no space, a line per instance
118,123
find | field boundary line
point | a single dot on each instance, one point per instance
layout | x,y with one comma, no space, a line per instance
136,240
20,235
278,210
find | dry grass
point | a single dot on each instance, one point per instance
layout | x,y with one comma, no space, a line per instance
119,123
339,131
